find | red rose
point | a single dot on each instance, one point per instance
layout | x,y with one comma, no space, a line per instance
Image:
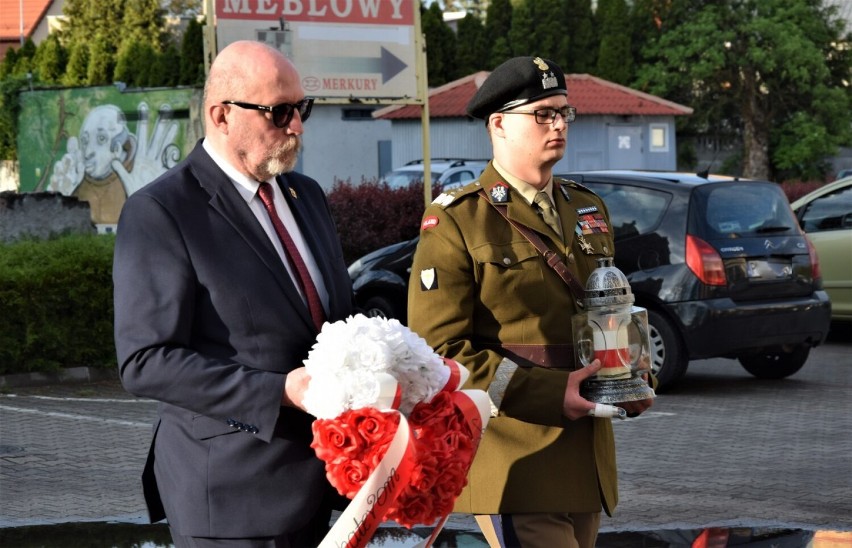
433,412
453,479
374,426
333,438
411,511
454,443
349,476
426,473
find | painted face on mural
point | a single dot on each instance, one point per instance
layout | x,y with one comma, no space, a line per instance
103,138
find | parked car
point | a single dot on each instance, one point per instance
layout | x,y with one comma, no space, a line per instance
380,280
721,265
446,173
826,216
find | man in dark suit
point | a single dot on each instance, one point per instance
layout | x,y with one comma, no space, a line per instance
213,319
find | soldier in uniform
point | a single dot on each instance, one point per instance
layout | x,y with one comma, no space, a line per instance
483,294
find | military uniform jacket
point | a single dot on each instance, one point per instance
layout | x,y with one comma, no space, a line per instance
477,283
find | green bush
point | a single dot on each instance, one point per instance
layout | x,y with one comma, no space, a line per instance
56,304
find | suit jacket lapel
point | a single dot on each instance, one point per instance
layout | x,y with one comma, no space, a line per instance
306,219
225,199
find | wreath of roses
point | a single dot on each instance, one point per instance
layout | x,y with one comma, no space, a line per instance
353,443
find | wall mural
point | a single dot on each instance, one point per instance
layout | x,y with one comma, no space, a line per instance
101,144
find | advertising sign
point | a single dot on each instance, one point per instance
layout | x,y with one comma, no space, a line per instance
352,49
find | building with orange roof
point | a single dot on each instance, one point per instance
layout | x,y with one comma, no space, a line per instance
616,127
22,19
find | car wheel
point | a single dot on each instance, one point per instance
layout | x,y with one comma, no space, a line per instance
668,356
775,365
379,307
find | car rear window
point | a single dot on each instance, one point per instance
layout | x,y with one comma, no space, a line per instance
740,210
633,210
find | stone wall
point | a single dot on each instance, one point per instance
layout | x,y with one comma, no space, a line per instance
42,215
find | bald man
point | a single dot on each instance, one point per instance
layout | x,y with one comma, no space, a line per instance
214,315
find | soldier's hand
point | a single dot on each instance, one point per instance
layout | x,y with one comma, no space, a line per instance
575,406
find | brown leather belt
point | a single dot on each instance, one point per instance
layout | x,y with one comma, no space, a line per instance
552,356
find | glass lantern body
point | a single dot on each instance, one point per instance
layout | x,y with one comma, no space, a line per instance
617,336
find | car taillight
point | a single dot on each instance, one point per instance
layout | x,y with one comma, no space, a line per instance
703,260
714,537
812,253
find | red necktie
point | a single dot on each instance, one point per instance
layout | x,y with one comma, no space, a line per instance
305,281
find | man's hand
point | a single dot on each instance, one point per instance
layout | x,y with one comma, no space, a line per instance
575,406
295,386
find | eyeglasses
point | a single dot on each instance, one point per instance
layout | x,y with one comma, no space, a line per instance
281,114
548,115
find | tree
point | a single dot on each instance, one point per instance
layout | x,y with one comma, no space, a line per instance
143,19
538,28
26,54
100,62
748,67
50,60
89,18
7,67
498,22
582,53
440,45
9,109
78,63
472,47
615,56
192,54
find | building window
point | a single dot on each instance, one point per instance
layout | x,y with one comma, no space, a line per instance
365,113
659,138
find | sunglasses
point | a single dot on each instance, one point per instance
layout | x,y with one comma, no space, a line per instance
282,114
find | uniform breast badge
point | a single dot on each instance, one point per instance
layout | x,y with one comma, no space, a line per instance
499,193
584,244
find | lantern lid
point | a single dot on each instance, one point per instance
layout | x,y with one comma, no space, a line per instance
607,286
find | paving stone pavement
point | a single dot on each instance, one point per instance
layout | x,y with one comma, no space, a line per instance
723,449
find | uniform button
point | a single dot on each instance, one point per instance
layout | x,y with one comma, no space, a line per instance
571,258
507,260
606,250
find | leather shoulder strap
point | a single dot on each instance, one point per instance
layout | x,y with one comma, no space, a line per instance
551,257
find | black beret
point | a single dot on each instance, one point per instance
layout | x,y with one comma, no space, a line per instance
516,82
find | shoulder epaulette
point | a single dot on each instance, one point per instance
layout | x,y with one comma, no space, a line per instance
448,197
573,184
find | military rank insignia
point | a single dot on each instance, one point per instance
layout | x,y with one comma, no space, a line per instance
499,193
428,279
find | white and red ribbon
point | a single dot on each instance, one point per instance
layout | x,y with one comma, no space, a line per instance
358,523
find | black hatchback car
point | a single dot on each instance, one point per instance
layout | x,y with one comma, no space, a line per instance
720,264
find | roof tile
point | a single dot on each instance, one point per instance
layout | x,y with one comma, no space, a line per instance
590,94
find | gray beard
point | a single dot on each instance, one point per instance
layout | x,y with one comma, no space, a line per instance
282,160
